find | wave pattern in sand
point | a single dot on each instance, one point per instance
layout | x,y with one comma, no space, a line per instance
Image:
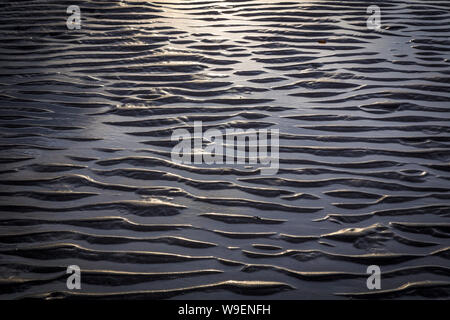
85,139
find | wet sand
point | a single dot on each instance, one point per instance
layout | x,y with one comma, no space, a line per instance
86,175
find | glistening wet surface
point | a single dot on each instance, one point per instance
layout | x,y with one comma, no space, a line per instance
87,177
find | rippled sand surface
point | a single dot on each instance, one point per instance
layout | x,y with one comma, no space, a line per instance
85,139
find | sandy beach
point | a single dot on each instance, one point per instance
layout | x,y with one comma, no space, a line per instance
87,177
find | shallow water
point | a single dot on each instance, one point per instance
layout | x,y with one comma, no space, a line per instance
87,179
